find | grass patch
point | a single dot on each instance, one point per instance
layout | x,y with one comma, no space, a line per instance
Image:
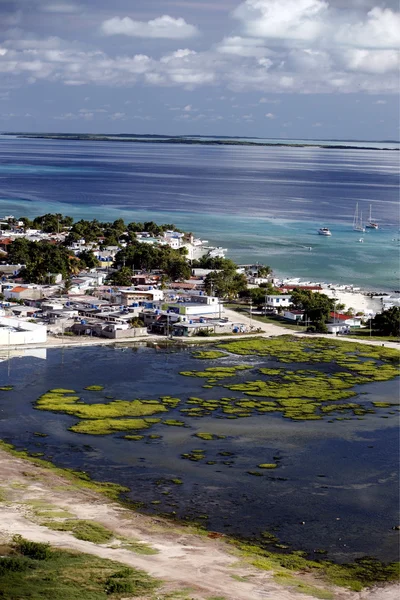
35,571
298,585
89,531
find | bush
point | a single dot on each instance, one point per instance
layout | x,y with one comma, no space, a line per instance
35,550
203,333
13,564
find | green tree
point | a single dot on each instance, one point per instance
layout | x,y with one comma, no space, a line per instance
88,259
387,322
226,283
123,277
317,306
178,268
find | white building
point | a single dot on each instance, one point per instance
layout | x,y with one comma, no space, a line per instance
14,332
278,301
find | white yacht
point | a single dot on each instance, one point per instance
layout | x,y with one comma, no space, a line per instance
324,231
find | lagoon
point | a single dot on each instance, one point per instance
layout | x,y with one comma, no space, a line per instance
335,486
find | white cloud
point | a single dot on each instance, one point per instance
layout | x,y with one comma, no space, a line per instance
270,116
60,7
161,27
372,61
118,116
283,19
240,46
381,29
380,102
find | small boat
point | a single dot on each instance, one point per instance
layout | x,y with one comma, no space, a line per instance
324,231
371,224
357,221
361,240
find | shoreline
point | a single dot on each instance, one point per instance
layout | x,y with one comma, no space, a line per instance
194,141
28,483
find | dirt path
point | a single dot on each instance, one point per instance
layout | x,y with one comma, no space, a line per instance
184,559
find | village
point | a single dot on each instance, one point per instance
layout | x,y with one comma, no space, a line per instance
121,283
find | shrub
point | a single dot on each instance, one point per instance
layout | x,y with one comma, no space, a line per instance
35,550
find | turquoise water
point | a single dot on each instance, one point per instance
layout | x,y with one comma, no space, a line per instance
263,204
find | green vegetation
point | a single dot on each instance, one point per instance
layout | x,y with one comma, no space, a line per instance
35,571
298,585
209,436
362,573
6,388
209,354
226,282
89,531
267,466
106,426
94,388
101,419
387,322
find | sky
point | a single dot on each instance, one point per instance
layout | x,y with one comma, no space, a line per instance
291,69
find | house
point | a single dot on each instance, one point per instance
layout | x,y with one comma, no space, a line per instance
15,332
278,301
340,323
150,294
20,292
294,315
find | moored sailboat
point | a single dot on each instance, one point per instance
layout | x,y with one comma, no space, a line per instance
371,224
357,221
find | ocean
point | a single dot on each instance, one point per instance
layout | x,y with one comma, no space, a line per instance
263,204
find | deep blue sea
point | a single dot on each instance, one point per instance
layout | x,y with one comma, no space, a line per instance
264,204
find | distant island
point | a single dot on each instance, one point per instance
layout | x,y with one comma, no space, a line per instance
194,140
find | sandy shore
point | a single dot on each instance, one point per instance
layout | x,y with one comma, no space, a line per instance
184,559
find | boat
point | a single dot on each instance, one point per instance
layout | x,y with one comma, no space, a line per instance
371,224
324,231
357,221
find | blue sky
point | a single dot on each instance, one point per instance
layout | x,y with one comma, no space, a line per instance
267,68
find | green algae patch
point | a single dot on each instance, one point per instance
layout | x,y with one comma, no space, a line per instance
173,423
6,388
216,373
106,426
133,437
364,572
209,354
94,388
209,436
61,391
383,404
102,418
267,466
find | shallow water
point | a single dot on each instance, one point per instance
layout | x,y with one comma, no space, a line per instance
263,204
339,479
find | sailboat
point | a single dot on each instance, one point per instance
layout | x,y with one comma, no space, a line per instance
371,224
357,221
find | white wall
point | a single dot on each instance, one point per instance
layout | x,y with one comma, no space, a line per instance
29,333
